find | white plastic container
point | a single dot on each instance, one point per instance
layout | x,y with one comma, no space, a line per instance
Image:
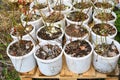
36,23
27,36
60,24
105,9
69,5
49,67
74,22
87,10
97,38
106,64
96,20
81,0
70,38
43,10
58,1
59,39
23,63
81,64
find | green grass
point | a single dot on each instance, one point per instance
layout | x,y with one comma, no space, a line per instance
117,24
10,74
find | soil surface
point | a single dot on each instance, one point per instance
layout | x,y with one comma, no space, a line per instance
44,34
48,52
77,16
60,7
78,48
21,48
54,17
107,50
82,5
103,29
105,16
103,5
76,31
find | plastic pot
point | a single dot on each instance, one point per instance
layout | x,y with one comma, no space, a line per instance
52,66
96,20
71,38
23,63
81,64
106,64
98,38
59,39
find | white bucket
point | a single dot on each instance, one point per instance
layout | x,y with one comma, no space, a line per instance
74,22
107,9
31,36
60,23
69,5
59,39
36,23
96,20
23,63
49,67
71,38
62,1
106,64
81,64
44,10
87,10
97,38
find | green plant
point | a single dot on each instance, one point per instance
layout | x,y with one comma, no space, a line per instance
9,74
117,23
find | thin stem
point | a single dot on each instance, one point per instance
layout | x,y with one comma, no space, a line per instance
48,6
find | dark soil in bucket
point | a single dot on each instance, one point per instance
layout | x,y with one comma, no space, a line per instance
105,16
77,16
40,6
103,29
76,31
54,17
48,52
31,17
104,5
20,48
82,5
107,50
19,30
47,34
60,7
78,48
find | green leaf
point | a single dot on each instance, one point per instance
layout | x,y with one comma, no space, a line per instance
117,22
1,56
117,37
2,47
119,62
